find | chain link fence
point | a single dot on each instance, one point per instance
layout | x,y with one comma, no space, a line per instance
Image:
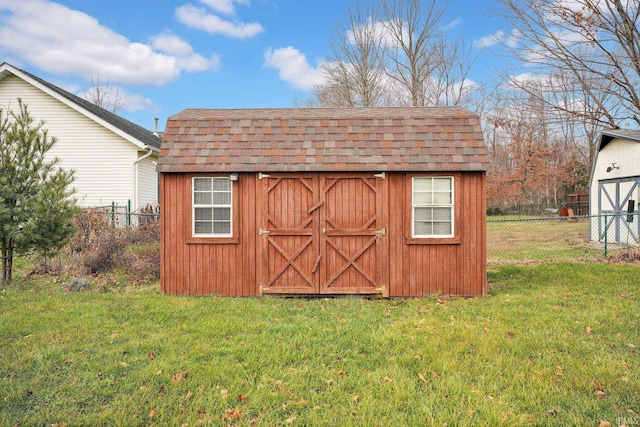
511,239
516,240
121,216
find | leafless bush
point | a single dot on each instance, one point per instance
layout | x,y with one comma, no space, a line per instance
143,262
99,247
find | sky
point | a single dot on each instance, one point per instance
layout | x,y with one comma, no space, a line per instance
166,56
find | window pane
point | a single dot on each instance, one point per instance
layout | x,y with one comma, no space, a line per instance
204,214
442,228
422,228
442,214
422,198
221,184
222,214
222,227
442,198
423,214
442,184
203,227
422,184
202,184
202,198
222,198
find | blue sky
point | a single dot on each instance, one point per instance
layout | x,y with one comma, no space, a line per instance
166,56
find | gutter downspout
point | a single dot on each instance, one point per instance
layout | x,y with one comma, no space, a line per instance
135,174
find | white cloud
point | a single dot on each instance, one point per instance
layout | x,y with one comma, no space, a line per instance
133,103
499,37
513,38
490,40
64,41
451,24
185,56
293,67
382,30
199,18
224,6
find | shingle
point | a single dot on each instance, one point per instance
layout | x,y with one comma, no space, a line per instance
324,139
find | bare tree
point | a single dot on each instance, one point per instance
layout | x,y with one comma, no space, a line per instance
536,154
448,83
416,48
104,95
593,43
394,53
355,73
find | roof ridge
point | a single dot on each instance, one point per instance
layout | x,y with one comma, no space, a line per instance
138,132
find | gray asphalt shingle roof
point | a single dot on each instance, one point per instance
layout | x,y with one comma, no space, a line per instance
323,139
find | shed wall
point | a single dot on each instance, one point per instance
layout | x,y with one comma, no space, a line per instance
196,267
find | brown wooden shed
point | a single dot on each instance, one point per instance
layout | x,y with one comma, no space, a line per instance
387,201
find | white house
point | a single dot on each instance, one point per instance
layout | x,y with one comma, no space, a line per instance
113,159
614,188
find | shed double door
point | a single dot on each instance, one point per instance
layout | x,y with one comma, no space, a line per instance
321,234
617,220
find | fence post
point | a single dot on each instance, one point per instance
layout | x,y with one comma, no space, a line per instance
129,213
113,215
606,232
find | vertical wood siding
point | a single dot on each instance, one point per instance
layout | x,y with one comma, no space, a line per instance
199,268
195,267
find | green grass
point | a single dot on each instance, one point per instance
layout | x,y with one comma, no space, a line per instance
553,344
537,241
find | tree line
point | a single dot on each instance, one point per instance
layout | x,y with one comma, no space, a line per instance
583,75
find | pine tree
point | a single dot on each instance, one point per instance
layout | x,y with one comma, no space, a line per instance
36,207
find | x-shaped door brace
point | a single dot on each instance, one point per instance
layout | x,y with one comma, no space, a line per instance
351,261
290,261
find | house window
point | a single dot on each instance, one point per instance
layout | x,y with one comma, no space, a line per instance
432,207
212,207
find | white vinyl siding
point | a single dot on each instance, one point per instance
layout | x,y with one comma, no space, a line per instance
147,182
432,207
102,160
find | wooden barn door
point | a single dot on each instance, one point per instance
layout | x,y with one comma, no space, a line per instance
290,244
321,234
351,235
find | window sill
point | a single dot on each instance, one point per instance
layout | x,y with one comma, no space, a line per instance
432,240
212,241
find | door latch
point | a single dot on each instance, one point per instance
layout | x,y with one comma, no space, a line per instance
262,231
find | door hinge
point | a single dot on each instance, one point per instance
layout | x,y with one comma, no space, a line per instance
263,175
381,175
262,231
382,231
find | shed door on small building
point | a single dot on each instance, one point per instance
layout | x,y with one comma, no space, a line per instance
614,196
321,234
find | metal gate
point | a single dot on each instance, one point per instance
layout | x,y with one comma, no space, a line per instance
321,234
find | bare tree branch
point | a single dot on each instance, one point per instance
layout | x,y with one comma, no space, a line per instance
104,95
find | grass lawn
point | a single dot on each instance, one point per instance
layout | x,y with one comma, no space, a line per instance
539,240
554,344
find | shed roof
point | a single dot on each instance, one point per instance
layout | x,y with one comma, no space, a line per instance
323,139
608,135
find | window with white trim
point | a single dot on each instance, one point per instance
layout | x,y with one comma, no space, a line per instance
212,207
432,206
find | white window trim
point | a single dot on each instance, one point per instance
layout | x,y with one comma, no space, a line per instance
452,206
194,206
